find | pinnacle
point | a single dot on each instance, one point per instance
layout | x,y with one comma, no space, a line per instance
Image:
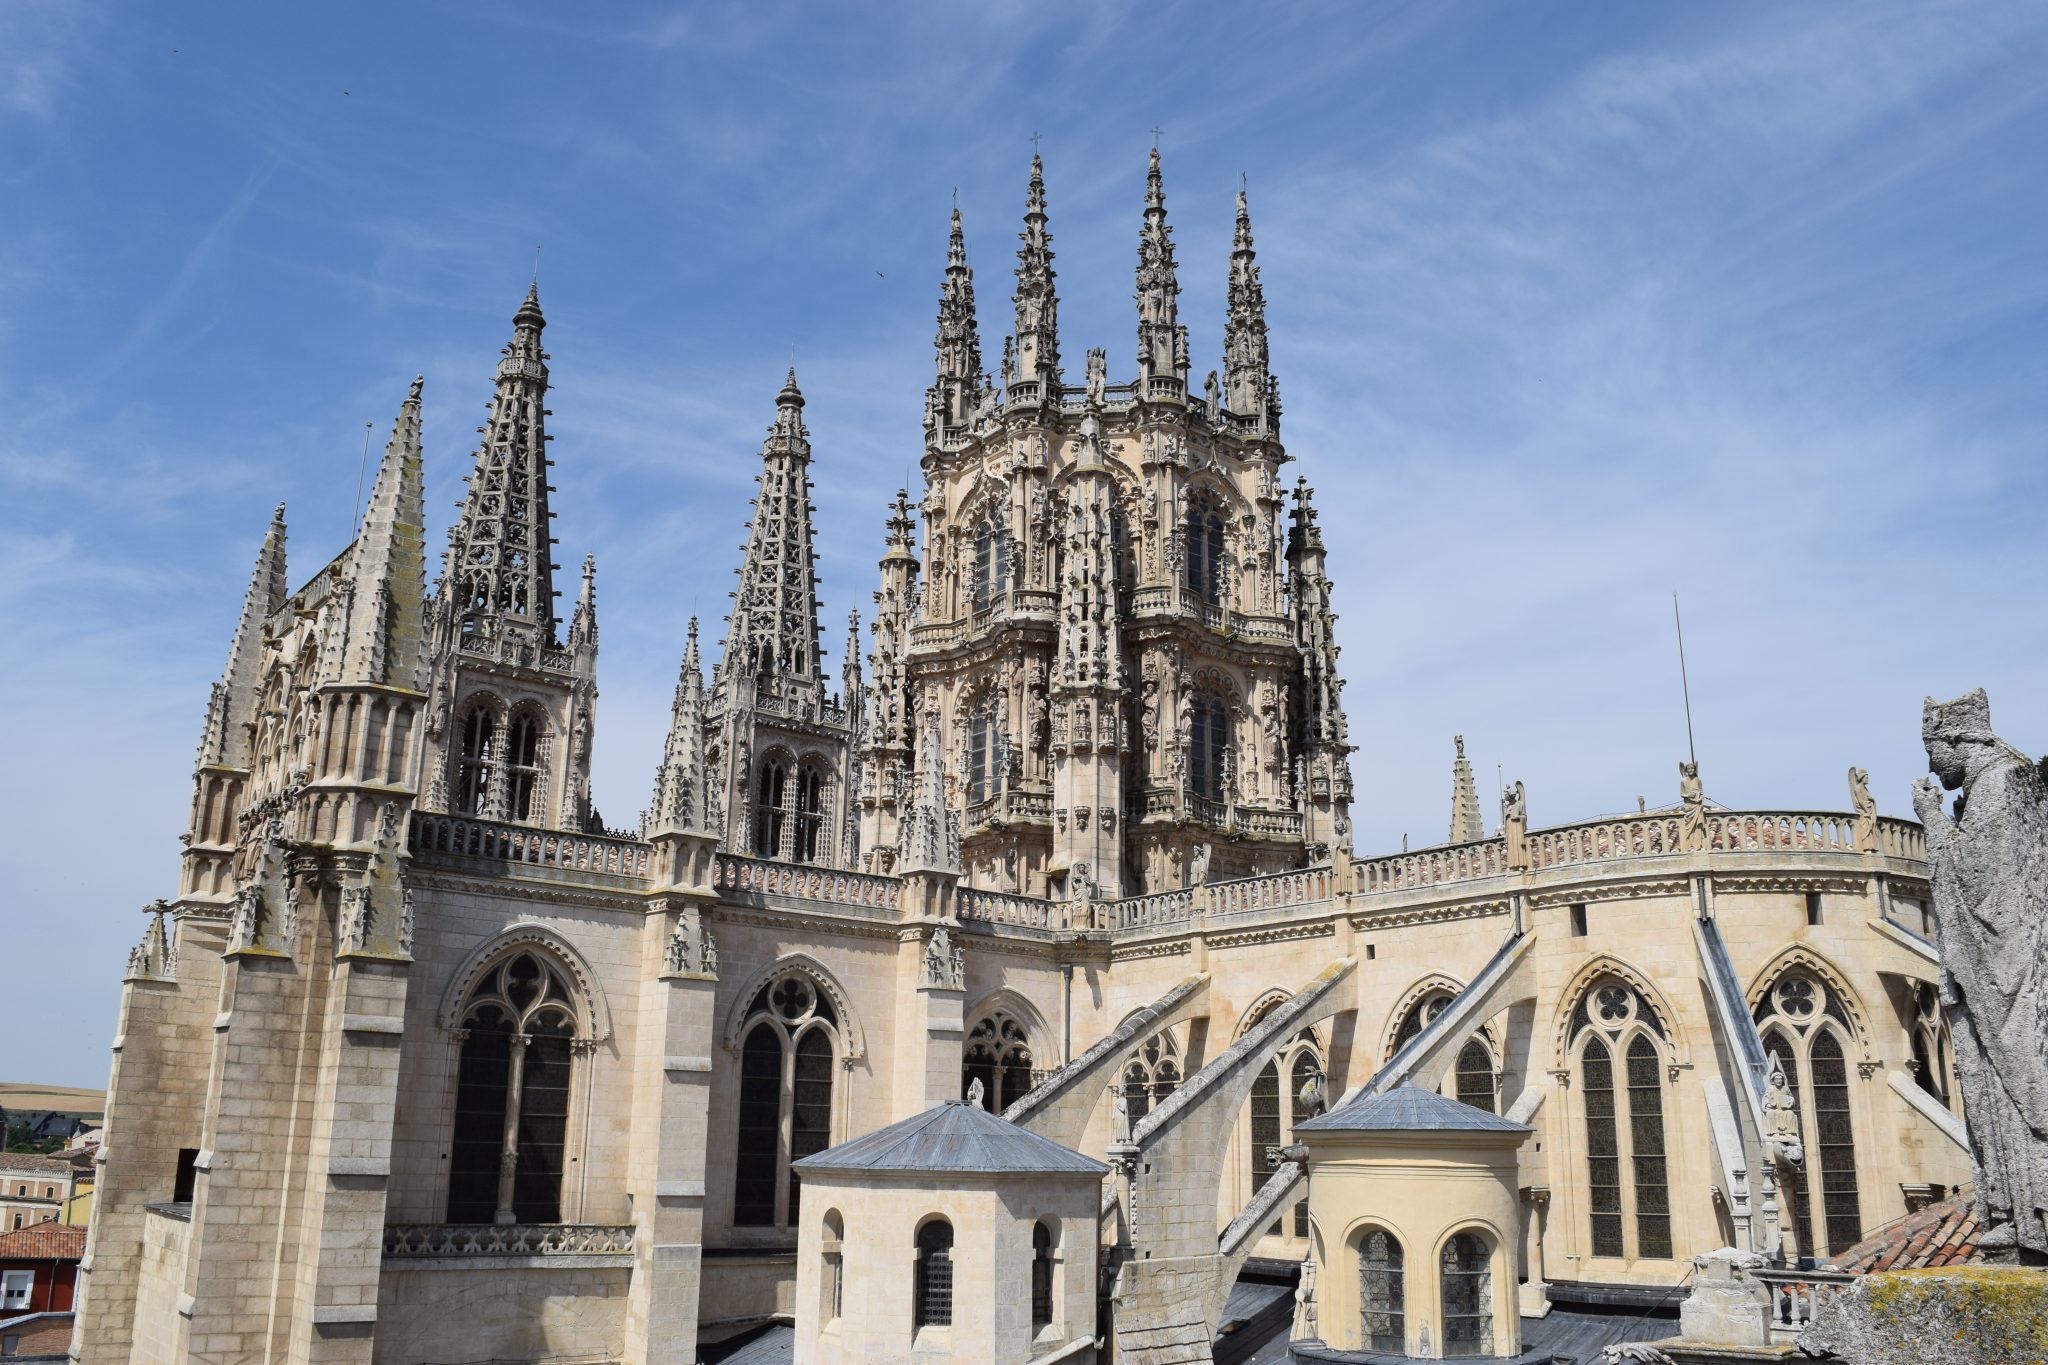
1155,189
790,392
531,305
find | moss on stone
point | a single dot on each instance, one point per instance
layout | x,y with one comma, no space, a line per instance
1958,1313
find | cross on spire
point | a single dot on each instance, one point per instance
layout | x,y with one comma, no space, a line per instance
1036,138
1157,133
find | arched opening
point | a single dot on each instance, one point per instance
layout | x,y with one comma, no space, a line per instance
980,756
1803,1023
934,1274
810,813
790,1042
998,1055
771,816
1152,1075
478,760
512,1096
1467,1287
523,766
1208,747
1202,566
832,1271
1475,1076
1622,1106
1382,1292
1041,1278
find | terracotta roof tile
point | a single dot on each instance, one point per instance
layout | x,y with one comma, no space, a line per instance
30,1161
1940,1234
43,1242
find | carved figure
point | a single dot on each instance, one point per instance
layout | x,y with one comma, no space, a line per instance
1781,1113
974,1093
1514,825
1122,1101
1692,798
1198,865
1990,869
1865,806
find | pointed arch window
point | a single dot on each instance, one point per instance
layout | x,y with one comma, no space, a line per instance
512,1096
1932,1048
980,756
832,1280
1152,1075
1621,1065
1382,1293
1475,1076
810,813
1804,1025
1208,747
1467,1281
1202,567
999,1056
478,761
991,570
523,760
1287,1091
771,812
789,1046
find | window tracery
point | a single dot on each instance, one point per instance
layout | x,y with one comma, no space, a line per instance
512,1095
1202,560
1621,1085
1152,1075
1467,1279
1804,1025
1382,1292
999,1056
479,760
791,1041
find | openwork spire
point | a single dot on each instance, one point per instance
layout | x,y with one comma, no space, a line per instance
499,576
1161,345
224,742
958,342
1321,717
386,635
1038,323
774,632
583,624
1466,823
1246,364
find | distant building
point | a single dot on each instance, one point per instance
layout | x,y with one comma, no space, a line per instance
33,1189
39,1269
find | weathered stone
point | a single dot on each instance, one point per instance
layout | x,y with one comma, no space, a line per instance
1979,1315
1726,1306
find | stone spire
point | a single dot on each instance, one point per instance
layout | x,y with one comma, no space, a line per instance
931,830
583,624
498,579
679,786
1321,735
958,342
849,668
886,739
1162,343
1466,823
1038,320
224,742
1088,738
1247,377
385,636
774,632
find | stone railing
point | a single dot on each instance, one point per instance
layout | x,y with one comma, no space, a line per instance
1902,838
1796,1295
740,877
1009,805
469,837
1432,866
1000,907
1752,831
1303,886
1146,912
1640,836
509,1239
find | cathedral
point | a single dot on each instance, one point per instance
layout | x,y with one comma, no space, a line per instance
1045,910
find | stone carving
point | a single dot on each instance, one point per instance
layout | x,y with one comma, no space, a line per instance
1514,825
944,965
1989,863
1726,1304
1305,1298
1692,797
974,1093
1198,865
1865,806
1781,1113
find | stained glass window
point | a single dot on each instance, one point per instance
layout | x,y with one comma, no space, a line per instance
1836,1143
1382,1293
1468,1297
1475,1076
1646,1150
1603,1150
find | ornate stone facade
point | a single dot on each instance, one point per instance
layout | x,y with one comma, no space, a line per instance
421,1063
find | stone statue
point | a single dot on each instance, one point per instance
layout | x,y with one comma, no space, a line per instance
1781,1113
1514,825
974,1093
1865,806
1305,1299
1198,865
1122,1100
1692,798
1990,870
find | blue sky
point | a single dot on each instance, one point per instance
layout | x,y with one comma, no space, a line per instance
1572,306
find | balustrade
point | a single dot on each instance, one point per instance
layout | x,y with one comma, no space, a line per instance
741,876
1146,912
1796,1295
403,1240
1001,907
1303,886
469,837
1750,831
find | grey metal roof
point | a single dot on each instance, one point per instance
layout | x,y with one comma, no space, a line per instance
954,1136
1409,1109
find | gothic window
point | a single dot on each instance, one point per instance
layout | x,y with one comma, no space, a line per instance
479,758
1208,746
512,1096
1804,1024
1202,567
1622,1102
832,1276
1305,1100
1475,1076
1419,1016
980,759
810,812
999,1056
1041,1277
935,1274
991,573
1152,1075
1382,1293
785,1110
522,760
771,812
1287,1091
1468,1296
1931,1046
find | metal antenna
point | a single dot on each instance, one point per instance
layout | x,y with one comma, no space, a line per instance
362,465
1679,625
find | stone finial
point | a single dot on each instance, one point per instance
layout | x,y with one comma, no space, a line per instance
1467,825
224,739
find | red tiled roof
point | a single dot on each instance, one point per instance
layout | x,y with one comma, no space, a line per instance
1940,1234
43,1242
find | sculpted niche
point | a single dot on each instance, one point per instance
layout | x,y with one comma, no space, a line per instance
1989,861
